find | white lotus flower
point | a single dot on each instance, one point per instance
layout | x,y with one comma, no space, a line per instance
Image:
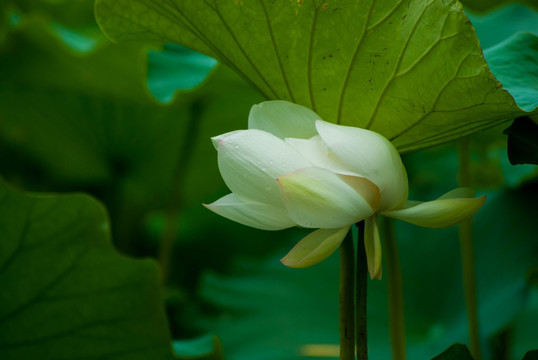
292,169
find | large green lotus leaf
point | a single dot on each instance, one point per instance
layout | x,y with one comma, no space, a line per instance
487,5
300,307
498,25
66,293
411,70
515,63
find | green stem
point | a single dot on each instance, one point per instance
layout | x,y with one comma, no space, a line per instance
467,254
395,291
172,216
347,284
362,287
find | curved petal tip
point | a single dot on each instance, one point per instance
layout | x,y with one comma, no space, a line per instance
440,213
315,247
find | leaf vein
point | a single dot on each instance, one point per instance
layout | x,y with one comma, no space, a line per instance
310,51
62,275
383,19
242,49
396,67
453,133
421,119
428,51
351,64
20,243
222,57
277,52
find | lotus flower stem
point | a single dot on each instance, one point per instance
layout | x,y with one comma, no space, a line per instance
360,312
467,255
395,291
347,284
172,216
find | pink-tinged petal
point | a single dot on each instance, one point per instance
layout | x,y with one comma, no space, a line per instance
216,139
259,216
372,245
370,155
283,119
315,247
443,212
250,161
319,198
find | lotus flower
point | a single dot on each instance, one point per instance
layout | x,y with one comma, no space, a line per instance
292,169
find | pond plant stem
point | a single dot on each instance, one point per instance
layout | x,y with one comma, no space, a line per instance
360,297
467,254
347,284
395,291
173,211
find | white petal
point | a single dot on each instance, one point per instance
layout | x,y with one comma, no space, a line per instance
250,161
317,152
370,155
283,119
319,198
255,215
372,245
443,212
315,247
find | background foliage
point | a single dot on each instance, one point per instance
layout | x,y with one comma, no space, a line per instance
79,114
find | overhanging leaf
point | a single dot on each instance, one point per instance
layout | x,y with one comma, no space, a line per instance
66,293
484,5
515,63
410,70
498,25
